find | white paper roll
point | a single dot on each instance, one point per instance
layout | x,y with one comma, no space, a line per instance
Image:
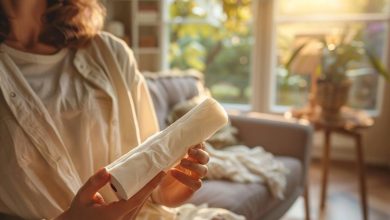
165,149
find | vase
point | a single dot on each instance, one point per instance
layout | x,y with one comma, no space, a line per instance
331,97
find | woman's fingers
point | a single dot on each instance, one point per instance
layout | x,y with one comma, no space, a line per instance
193,184
195,164
139,198
87,192
199,155
199,169
200,146
98,199
88,204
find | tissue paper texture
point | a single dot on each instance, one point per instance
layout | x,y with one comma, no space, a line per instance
166,148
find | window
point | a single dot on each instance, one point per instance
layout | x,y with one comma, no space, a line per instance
214,37
304,21
243,59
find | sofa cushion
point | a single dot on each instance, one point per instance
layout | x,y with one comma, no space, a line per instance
251,200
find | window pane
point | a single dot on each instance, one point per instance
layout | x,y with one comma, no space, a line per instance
217,48
320,7
292,89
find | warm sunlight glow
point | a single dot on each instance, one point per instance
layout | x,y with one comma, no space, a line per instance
331,46
326,7
361,23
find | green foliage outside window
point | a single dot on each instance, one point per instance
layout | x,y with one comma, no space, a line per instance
215,38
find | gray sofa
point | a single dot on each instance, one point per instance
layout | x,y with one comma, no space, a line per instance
289,141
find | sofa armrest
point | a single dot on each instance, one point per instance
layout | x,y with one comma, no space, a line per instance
275,134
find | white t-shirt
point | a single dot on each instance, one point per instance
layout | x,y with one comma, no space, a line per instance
79,110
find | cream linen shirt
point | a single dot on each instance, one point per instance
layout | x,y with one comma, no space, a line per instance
38,177
78,108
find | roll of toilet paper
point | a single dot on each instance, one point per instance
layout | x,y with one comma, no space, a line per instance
166,148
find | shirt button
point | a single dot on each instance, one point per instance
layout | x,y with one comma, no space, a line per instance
12,94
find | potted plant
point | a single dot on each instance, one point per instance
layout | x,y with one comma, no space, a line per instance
332,82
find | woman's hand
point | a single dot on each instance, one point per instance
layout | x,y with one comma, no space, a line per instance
89,204
182,181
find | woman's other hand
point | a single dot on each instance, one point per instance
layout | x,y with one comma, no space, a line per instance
89,204
181,182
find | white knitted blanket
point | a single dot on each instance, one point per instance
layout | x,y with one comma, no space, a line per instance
242,164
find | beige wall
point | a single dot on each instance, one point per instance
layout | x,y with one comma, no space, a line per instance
377,139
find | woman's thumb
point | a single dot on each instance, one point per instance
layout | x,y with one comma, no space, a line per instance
93,184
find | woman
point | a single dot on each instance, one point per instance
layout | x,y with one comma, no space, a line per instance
64,116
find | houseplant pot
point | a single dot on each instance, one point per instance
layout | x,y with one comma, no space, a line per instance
331,96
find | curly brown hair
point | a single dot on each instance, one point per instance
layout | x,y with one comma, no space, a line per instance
67,23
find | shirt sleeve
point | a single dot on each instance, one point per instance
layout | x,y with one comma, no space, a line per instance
145,111
136,84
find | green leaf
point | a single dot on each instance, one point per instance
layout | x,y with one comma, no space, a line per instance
295,53
377,64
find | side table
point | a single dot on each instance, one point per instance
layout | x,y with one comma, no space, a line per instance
351,124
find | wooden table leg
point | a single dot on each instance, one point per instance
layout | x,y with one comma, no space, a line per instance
306,195
325,169
361,173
